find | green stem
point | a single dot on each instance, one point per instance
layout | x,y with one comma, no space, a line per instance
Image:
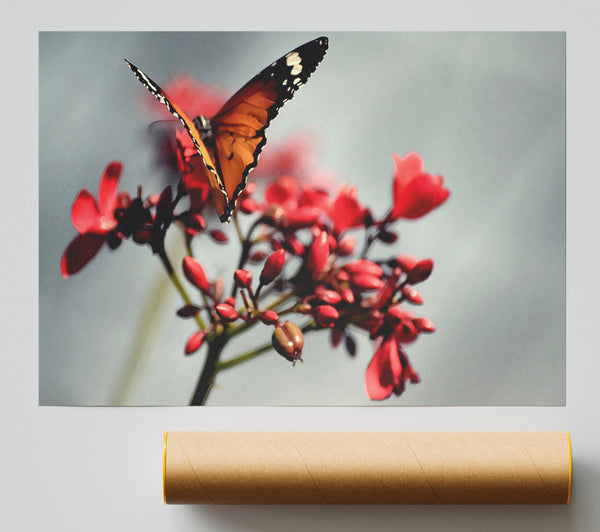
232,362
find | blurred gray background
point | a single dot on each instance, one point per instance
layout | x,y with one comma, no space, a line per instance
485,110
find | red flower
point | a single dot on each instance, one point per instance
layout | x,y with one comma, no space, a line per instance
346,212
93,221
291,206
415,192
388,371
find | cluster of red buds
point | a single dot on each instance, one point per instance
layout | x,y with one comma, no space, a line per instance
313,249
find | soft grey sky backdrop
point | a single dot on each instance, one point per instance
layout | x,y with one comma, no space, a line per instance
485,110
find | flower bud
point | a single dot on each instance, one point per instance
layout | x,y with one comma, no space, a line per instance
346,245
195,342
257,256
388,237
248,205
218,236
406,262
218,289
274,215
325,295
142,237
196,222
226,312
363,266
195,274
366,282
288,341
114,240
347,295
396,315
420,272
424,325
293,245
325,315
412,295
269,317
243,278
273,266
350,345
336,336
318,254
188,311
406,332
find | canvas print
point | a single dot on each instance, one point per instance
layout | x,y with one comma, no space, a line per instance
295,218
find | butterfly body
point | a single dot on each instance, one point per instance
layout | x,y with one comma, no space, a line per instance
230,142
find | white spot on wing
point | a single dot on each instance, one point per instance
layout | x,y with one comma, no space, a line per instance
293,58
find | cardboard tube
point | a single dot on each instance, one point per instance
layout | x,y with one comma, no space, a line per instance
367,467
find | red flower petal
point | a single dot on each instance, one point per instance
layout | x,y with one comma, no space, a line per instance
315,197
107,191
384,371
79,252
406,169
421,195
301,217
282,190
346,212
84,212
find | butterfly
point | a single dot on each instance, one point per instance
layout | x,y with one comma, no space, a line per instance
230,142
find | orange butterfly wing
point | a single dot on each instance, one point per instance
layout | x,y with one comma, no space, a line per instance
239,126
218,192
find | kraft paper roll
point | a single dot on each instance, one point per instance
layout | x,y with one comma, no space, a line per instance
367,467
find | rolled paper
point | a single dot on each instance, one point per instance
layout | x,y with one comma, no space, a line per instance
367,467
